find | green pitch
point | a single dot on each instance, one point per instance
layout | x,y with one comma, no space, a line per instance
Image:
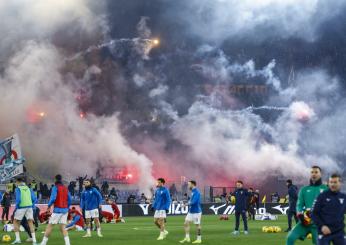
141,231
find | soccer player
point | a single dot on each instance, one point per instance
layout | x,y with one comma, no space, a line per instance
61,199
25,201
306,197
77,222
91,202
241,197
292,203
161,206
195,213
328,213
116,211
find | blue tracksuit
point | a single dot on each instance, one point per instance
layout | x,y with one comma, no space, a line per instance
241,197
91,199
162,199
18,198
53,198
195,202
329,210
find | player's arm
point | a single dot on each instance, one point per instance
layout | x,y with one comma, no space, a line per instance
301,201
168,198
18,197
74,221
99,198
193,199
69,200
52,197
33,198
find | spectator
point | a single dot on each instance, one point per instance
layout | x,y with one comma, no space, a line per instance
257,198
173,190
6,204
105,188
113,194
275,197
80,183
186,198
71,188
131,199
184,187
143,199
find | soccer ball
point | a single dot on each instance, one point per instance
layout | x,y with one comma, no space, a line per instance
270,229
232,200
6,238
277,229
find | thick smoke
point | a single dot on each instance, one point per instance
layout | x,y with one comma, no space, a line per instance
38,103
222,19
82,97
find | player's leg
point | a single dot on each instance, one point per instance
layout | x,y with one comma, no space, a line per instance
30,217
289,219
197,221
156,222
47,233
244,218
18,216
64,232
87,224
96,215
187,230
314,233
297,232
237,220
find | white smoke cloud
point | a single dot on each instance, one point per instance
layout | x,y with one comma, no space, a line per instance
220,68
218,20
37,102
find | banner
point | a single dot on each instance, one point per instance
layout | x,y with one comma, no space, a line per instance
207,209
11,159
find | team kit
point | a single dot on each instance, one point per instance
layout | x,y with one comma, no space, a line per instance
319,210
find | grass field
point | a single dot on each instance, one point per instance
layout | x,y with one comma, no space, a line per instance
141,231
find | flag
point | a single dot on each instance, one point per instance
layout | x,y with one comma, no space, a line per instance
264,199
11,159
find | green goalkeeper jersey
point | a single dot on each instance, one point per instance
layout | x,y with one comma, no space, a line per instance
308,194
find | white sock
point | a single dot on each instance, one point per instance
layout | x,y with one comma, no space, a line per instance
17,236
199,238
162,233
33,235
187,236
88,231
99,230
44,240
67,240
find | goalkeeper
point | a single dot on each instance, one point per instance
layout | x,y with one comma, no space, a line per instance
306,198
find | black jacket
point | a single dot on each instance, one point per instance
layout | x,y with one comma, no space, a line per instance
292,197
241,197
6,200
